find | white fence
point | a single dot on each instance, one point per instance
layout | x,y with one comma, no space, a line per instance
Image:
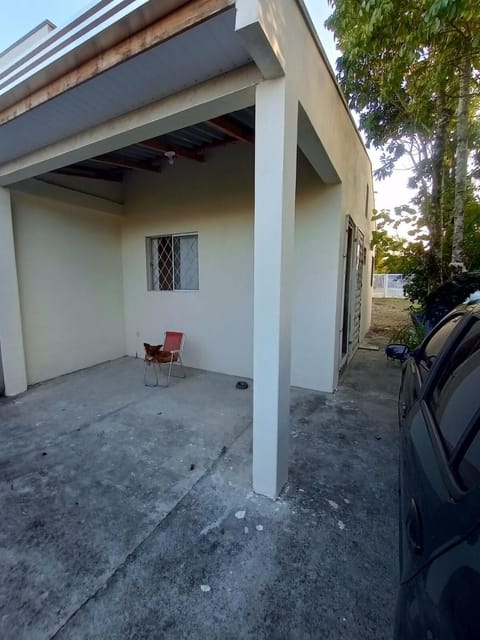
388,285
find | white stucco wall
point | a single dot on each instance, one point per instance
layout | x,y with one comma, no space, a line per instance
70,282
317,244
329,117
215,199
289,36
12,359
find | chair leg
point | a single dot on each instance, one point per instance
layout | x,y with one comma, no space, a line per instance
169,370
181,364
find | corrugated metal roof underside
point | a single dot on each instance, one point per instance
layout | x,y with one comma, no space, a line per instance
203,52
204,134
196,138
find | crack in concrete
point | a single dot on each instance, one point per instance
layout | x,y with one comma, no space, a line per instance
131,554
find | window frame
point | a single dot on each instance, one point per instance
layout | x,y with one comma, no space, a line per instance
463,445
427,373
150,257
449,461
451,366
462,448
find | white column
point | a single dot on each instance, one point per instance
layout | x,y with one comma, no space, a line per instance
11,338
275,179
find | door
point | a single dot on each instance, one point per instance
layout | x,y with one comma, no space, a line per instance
347,291
2,379
357,301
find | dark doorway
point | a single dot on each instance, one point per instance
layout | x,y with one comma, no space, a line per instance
2,380
347,290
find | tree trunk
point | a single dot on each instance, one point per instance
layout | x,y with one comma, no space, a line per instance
461,159
436,209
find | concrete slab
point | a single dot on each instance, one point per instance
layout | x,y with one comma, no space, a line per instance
108,532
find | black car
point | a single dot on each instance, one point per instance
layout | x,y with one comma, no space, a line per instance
439,417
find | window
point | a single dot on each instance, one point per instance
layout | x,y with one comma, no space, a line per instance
469,344
172,263
434,345
469,467
458,402
453,398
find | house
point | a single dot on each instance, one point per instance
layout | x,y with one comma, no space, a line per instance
187,165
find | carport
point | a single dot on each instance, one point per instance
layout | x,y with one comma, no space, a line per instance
133,89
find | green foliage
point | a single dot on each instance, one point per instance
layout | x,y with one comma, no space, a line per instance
400,68
410,335
415,270
394,255
472,235
388,250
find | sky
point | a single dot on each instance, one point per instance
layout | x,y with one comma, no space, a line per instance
20,16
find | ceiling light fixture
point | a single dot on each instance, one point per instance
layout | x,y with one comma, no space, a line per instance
170,155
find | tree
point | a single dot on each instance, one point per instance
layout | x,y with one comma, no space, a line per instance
456,24
412,95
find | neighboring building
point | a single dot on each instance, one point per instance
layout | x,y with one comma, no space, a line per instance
150,180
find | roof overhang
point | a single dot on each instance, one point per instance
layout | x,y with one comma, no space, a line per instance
103,81
45,100
93,32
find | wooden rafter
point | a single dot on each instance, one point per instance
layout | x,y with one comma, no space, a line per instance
157,145
116,160
232,129
83,172
173,24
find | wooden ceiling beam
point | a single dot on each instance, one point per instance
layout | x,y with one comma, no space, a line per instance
115,160
232,129
173,24
157,145
82,172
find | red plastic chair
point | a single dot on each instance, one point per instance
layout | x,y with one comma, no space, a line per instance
173,342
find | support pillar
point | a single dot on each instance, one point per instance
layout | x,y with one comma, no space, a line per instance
11,338
275,181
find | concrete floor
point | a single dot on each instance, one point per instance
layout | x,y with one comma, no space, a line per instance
120,508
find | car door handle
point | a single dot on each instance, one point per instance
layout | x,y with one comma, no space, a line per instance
414,528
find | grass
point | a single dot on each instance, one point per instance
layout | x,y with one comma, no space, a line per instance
388,316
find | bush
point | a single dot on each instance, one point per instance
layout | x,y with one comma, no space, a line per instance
410,335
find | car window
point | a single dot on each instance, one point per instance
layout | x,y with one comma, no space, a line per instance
468,345
469,467
458,400
434,344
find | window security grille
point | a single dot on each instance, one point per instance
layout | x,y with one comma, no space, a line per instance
173,263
